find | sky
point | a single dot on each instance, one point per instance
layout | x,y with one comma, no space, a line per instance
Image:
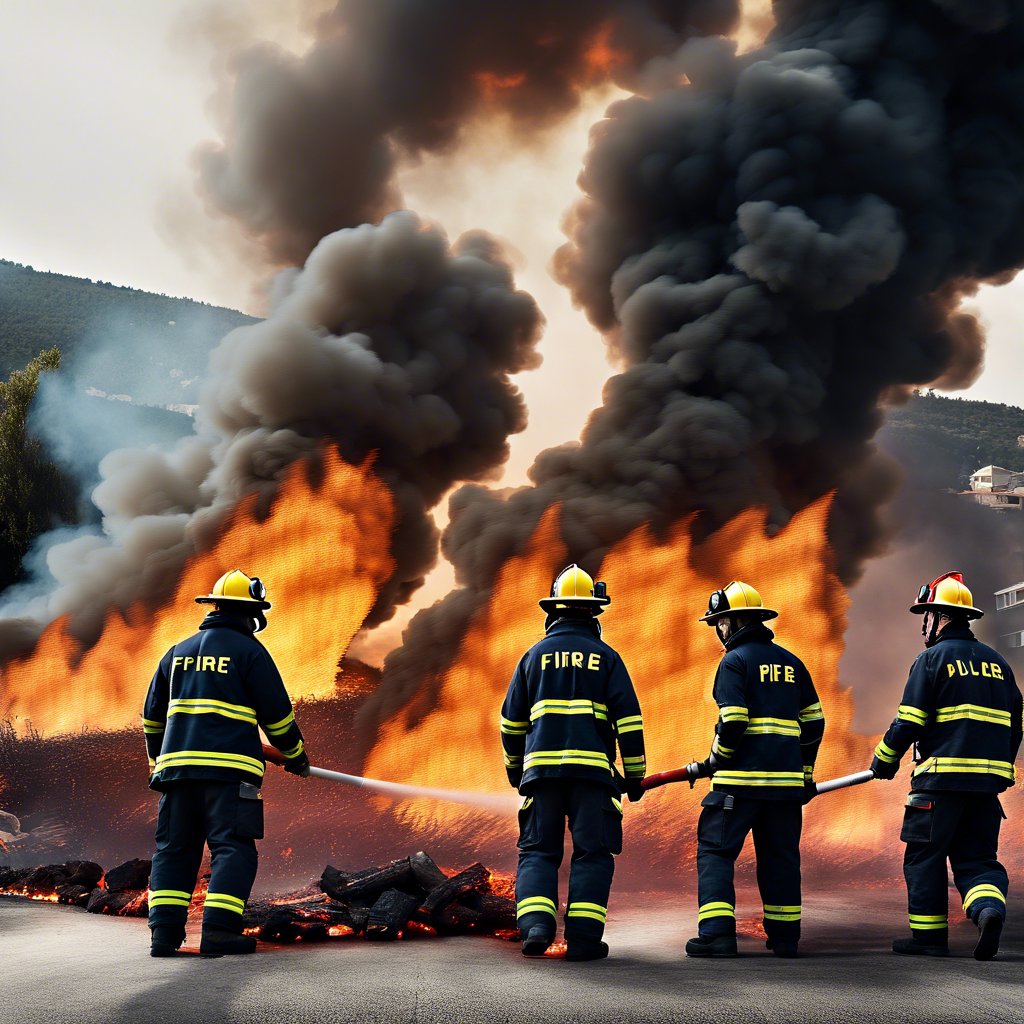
106,102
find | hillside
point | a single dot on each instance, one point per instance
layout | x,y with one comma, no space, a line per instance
115,339
954,436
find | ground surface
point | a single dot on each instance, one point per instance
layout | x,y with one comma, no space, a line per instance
60,964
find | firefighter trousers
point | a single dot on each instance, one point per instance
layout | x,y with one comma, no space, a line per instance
963,827
722,829
227,816
594,813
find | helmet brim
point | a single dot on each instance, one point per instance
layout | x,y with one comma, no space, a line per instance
957,609
214,599
765,613
594,604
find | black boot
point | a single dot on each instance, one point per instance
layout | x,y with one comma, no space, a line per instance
165,940
586,949
537,940
786,950
911,947
990,925
712,945
217,942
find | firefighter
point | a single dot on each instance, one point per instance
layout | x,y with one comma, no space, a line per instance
962,710
570,700
208,695
761,765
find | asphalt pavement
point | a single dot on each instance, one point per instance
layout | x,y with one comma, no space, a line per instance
59,964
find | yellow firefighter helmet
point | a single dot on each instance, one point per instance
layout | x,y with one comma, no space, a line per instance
736,597
236,587
947,594
574,588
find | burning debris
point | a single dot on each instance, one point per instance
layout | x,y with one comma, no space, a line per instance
408,896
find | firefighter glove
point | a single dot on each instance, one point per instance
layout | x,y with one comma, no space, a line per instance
298,765
515,777
635,790
884,769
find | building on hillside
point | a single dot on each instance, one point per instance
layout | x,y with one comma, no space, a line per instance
991,478
1010,622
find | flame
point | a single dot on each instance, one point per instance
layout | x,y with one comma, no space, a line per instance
659,589
601,59
491,85
323,552
339,931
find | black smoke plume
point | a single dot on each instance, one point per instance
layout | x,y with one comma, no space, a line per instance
775,245
389,342
313,142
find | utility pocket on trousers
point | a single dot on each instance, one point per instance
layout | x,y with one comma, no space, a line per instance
249,819
527,824
613,827
711,825
917,819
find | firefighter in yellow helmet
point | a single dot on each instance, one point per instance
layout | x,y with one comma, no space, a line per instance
961,709
208,698
761,765
569,703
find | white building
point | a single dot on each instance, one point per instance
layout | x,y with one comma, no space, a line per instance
1010,613
991,478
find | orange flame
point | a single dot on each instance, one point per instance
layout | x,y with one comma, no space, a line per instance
323,551
659,589
492,85
601,58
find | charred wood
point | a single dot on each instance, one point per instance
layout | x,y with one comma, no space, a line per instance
390,915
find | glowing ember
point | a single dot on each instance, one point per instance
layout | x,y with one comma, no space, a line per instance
336,533
338,931
556,951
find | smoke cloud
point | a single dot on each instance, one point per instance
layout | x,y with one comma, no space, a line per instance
390,342
775,245
312,143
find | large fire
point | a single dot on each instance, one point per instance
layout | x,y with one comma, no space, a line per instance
323,552
659,589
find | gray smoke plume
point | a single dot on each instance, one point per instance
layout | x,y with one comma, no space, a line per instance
389,342
313,141
775,245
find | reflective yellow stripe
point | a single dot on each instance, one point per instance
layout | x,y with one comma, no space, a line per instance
775,912
536,904
152,764
547,758
209,759
618,804
150,726
965,766
732,713
973,711
592,910
635,766
632,723
928,919
885,753
166,901
276,728
709,910
717,748
295,751
222,901
773,727
512,761
169,898
239,712
150,730
731,778
510,728
906,713
984,891
811,713
568,707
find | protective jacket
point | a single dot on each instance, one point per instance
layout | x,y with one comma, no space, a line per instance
569,700
207,697
770,720
962,708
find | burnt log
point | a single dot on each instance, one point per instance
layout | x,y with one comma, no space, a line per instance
472,879
497,913
137,907
13,879
366,886
103,901
390,915
287,924
46,878
427,874
456,919
132,876
73,895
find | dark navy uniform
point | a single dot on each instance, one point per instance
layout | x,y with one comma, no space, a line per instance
766,741
569,701
207,697
962,709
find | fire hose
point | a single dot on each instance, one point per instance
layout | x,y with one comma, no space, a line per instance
496,803
695,770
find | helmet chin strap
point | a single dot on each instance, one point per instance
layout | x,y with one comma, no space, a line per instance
259,621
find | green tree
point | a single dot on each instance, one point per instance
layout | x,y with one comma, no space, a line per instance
35,495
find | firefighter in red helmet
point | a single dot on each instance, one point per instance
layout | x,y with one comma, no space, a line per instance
961,709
